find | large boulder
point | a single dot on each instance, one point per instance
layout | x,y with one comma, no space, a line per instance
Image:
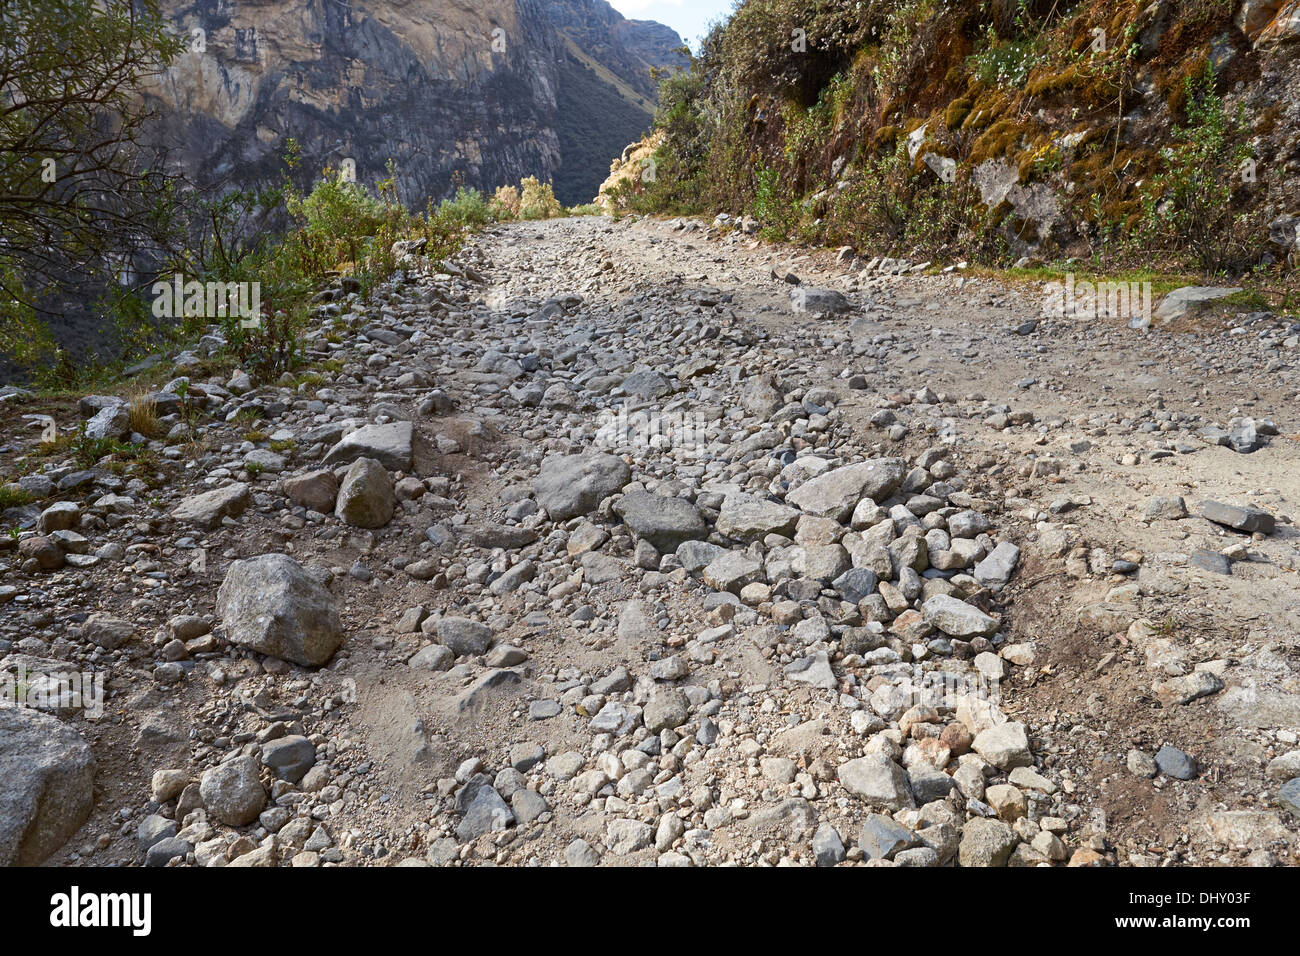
819,301
233,791
1284,232
315,491
986,843
206,510
270,604
465,637
752,519
663,521
572,485
391,445
47,774
837,492
1192,300
761,397
114,421
878,782
956,618
108,632
1245,519
1255,15
997,568
366,498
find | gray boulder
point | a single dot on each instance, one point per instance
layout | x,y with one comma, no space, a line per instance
878,782
206,510
366,498
108,632
1191,300
464,637
761,397
986,842
270,604
113,421
47,774
232,792
751,519
289,757
487,813
956,618
731,571
663,521
882,837
997,568
315,491
647,383
573,485
391,445
1283,232
666,709
1239,518
837,492
819,301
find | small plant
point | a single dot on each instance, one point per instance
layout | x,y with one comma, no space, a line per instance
143,412
1190,203
11,496
89,451
1005,63
253,468
771,206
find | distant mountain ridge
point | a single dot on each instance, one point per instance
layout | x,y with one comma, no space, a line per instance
480,92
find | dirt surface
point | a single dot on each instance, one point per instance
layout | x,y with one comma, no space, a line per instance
1062,434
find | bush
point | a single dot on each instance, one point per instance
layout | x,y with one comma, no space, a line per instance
469,207
339,227
1190,203
538,200
506,203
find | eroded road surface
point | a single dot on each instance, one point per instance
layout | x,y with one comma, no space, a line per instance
649,544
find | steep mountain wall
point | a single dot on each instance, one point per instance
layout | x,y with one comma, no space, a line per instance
452,91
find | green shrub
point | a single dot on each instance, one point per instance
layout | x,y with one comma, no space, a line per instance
1190,203
12,496
337,209
470,207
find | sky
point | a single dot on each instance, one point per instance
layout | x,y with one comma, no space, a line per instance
690,18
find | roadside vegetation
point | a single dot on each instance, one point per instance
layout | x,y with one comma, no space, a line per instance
1091,133
103,236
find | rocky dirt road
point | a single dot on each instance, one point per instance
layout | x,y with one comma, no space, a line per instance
644,543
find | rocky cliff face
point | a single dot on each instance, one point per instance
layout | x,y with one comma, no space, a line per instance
471,91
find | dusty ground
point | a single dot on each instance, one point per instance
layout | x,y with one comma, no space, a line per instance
1070,483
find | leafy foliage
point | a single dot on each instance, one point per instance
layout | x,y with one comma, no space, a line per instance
1191,200
798,114
79,198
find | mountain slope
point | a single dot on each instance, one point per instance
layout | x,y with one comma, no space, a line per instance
451,90
1136,132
